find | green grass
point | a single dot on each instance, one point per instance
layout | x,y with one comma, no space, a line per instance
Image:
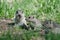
40,8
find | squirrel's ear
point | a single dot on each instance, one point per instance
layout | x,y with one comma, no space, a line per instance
33,16
16,11
21,11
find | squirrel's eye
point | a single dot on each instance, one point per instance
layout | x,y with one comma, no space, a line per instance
29,17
